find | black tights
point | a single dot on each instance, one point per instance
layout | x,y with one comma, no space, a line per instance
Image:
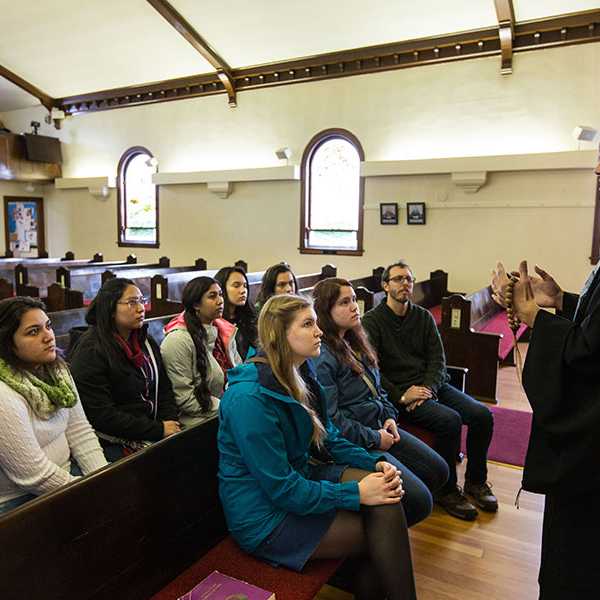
379,536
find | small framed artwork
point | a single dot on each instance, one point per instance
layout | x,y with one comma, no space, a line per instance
388,213
415,213
24,226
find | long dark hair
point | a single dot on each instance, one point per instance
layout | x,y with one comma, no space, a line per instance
11,313
192,295
267,287
355,342
245,316
101,317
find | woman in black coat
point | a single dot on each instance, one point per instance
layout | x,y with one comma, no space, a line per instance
119,374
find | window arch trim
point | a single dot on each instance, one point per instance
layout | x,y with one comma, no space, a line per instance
124,161
311,148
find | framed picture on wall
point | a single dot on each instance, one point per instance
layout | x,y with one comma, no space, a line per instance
415,213
388,213
24,226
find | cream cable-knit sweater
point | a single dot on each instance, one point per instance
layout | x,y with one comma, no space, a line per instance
35,454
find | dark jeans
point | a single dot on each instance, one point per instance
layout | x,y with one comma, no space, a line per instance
445,418
424,472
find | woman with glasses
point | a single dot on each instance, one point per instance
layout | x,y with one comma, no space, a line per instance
198,349
359,406
237,308
41,419
278,279
119,373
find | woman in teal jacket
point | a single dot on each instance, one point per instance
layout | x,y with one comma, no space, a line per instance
292,488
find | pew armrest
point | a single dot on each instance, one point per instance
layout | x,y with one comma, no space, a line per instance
458,376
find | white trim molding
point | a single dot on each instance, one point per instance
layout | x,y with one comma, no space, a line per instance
97,186
548,161
282,173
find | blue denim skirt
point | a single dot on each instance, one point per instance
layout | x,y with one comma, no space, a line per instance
295,539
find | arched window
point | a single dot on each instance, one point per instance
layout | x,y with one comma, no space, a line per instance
331,215
137,199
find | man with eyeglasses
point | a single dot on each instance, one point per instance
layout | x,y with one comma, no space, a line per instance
413,371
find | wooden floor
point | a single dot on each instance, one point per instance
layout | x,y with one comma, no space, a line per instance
509,392
493,558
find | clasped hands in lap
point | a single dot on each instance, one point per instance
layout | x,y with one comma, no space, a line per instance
414,396
382,487
530,292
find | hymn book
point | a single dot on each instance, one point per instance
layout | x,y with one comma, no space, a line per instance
222,587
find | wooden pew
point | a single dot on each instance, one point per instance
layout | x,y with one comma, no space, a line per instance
166,292
142,277
33,280
129,530
476,333
77,288
9,258
489,317
8,265
307,282
44,279
122,532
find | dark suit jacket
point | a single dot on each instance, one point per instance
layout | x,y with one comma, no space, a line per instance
562,381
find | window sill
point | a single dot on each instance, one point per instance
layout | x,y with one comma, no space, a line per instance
332,251
126,244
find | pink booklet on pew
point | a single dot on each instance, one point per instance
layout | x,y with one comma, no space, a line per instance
222,587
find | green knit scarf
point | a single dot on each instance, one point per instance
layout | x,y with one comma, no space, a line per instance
43,398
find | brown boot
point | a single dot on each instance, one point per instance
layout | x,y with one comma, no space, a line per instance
482,496
456,504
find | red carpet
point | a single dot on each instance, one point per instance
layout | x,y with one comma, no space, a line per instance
511,435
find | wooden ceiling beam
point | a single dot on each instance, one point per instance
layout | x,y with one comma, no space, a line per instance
44,98
184,28
577,28
506,33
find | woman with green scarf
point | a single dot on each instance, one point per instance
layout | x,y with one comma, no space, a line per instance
41,419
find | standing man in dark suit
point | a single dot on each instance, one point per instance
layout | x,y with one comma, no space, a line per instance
561,377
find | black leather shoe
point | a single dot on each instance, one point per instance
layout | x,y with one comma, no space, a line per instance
482,496
456,504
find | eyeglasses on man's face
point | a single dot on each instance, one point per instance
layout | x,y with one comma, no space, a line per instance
402,279
133,303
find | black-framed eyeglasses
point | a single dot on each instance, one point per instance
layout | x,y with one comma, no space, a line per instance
133,303
402,279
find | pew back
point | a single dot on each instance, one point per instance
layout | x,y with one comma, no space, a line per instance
122,532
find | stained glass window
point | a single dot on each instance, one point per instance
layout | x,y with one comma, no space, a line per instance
332,194
138,199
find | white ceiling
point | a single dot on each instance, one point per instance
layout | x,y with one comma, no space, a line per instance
525,10
70,48
267,31
13,97
67,48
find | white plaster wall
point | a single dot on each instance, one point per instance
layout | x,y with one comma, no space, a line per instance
460,109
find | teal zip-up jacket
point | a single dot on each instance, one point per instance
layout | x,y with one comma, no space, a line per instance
264,449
